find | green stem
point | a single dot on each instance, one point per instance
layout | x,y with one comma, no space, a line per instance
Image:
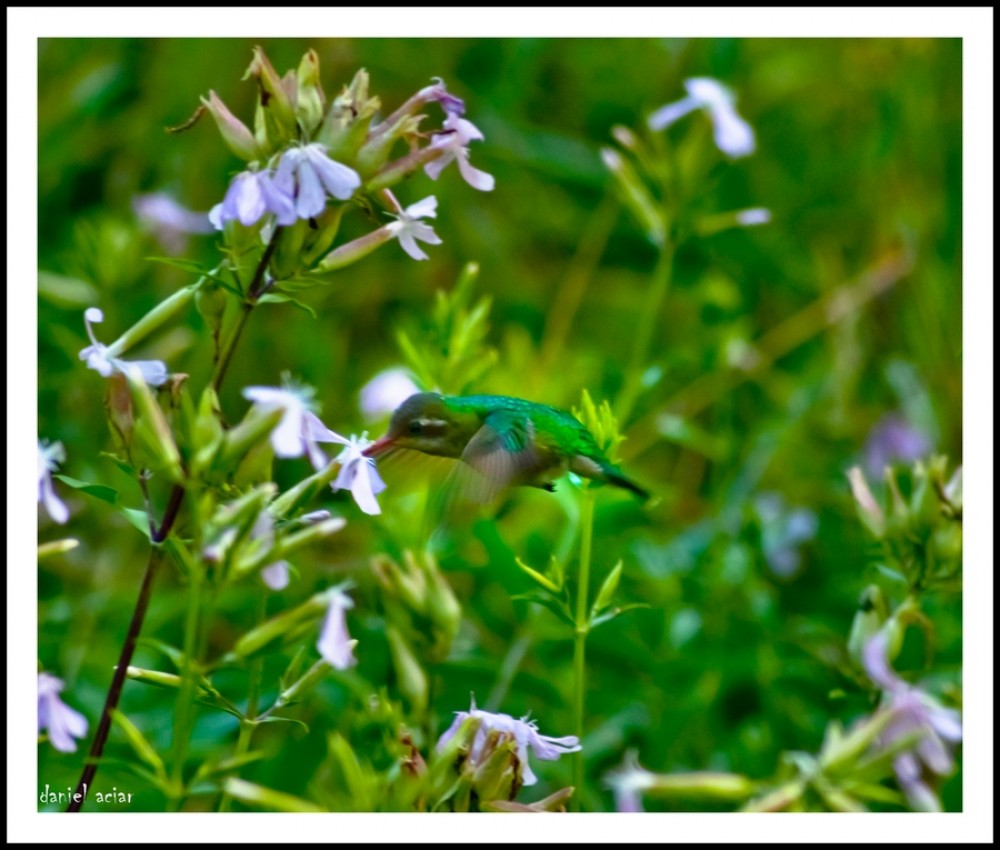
184,712
249,722
580,637
648,318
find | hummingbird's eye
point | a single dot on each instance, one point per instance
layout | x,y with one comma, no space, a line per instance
416,426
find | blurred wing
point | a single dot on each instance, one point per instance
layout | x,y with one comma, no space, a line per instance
499,455
408,469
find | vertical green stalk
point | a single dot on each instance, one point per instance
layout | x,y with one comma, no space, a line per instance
580,637
256,674
648,317
183,715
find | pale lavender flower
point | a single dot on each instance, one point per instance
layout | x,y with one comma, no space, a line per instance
335,644
409,228
169,221
438,93
385,392
753,216
306,176
524,732
99,358
358,473
628,782
250,195
783,532
48,458
913,711
300,430
733,136
893,440
455,142
62,723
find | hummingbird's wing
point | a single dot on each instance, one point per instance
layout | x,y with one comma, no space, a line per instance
501,453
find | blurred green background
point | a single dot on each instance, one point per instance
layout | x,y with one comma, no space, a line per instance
752,562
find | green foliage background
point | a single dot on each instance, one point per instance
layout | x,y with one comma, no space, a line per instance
859,159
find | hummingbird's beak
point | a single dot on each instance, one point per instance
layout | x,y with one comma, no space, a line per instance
379,446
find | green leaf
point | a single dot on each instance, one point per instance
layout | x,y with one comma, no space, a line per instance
275,298
556,606
614,612
276,719
538,578
224,765
128,469
98,491
140,746
607,591
267,798
140,519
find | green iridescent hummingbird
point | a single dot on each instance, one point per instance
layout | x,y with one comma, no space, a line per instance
500,441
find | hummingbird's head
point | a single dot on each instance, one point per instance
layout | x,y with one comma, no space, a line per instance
421,423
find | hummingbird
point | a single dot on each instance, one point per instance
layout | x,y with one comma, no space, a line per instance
500,442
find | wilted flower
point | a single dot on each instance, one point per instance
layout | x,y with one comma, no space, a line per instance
335,644
409,228
893,440
385,392
628,782
304,178
524,732
250,195
169,221
733,136
62,722
98,357
913,711
48,457
300,429
455,141
438,93
358,473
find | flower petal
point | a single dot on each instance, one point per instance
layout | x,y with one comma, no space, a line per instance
473,176
426,208
338,179
408,244
275,575
667,115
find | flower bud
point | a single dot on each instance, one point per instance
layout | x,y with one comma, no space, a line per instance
154,319
868,509
118,404
411,678
235,133
873,611
309,98
271,632
319,240
211,300
152,433
254,430
354,250
635,196
495,776
275,117
346,124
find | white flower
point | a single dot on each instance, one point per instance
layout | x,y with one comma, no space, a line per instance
48,457
455,140
733,136
306,175
98,357
335,644
300,429
628,782
525,734
385,392
358,474
62,722
408,228
913,711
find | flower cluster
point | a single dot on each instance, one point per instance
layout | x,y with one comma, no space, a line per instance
913,712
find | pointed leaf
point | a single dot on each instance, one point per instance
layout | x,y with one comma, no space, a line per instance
538,578
140,746
607,591
98,491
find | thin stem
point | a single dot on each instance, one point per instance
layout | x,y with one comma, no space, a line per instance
249,723
256,289
128,648
580,637
183,715
648,317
